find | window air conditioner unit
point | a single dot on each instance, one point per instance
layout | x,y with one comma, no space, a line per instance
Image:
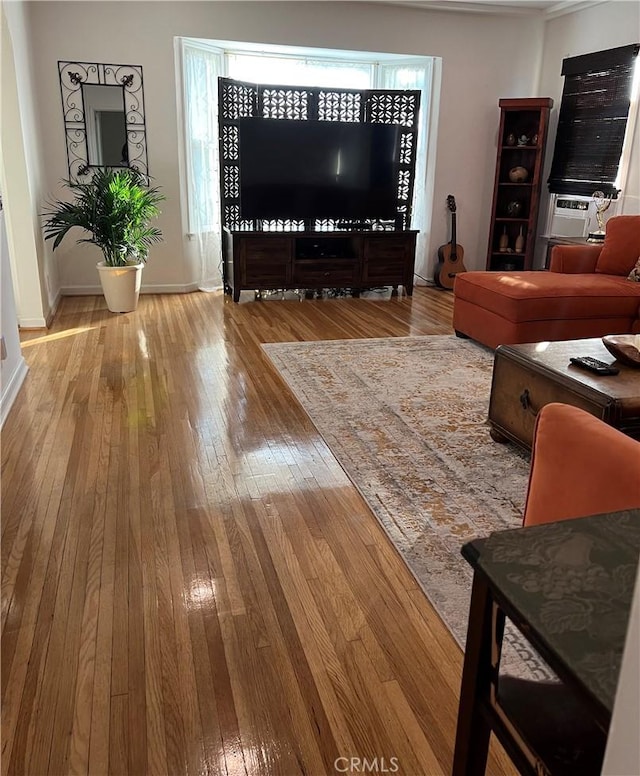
570,217
574,216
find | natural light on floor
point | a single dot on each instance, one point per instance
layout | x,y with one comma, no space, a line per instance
57,336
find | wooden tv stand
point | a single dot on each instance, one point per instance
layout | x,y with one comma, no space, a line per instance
264,261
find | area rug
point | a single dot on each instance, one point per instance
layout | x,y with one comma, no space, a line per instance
406,419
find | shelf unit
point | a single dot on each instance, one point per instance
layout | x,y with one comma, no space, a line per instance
519,118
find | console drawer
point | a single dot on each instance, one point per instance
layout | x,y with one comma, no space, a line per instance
265,261
325,274
269,249
382,271
255,271
398,248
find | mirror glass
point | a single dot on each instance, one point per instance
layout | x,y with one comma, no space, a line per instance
104,116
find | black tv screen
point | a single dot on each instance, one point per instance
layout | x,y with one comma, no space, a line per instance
317,169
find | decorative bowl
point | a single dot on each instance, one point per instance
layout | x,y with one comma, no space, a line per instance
518,174
625,347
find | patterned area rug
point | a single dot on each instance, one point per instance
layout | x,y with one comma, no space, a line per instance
406,418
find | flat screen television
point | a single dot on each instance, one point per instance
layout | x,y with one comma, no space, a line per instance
317,169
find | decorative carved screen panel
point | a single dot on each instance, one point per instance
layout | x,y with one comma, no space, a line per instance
284,104
391,107
340,106
246,100
83,131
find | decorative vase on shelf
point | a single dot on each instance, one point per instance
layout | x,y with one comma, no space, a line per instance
518,174
510,139
503,243
514,208
519,247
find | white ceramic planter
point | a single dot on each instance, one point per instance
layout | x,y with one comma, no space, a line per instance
121,286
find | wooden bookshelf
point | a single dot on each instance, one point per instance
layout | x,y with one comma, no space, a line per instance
522,137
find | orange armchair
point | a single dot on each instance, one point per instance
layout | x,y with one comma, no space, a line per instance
579,466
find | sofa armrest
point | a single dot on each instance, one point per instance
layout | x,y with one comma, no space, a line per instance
574,259
580,466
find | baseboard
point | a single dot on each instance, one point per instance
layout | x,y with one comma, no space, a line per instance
10,390
148,289
32,323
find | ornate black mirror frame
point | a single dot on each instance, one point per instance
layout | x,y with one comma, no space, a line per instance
129,77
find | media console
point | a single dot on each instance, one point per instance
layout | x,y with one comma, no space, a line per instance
266,261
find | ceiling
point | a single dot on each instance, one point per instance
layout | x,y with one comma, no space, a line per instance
546,8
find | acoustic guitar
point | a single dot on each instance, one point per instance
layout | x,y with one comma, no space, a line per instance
450,255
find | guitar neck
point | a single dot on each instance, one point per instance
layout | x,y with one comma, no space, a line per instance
453,236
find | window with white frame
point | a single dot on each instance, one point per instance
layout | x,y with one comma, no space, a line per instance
204,61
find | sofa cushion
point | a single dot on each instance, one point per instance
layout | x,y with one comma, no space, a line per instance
547,296
635,272
621,246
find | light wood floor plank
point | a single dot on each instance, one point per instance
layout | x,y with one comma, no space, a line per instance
190,582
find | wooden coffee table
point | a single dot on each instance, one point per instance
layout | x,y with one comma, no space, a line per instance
526,377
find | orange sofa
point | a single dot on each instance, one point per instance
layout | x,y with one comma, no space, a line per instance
585,293
580,466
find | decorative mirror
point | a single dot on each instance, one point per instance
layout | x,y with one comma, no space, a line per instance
103,108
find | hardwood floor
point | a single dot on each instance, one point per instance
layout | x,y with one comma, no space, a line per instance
190,583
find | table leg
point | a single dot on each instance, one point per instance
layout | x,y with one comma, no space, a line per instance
496,435
473,732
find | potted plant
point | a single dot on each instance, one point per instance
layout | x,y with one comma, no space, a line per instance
115,207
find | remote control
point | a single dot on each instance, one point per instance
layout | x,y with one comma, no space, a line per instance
593,365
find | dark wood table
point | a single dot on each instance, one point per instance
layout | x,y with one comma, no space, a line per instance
567,587
526,377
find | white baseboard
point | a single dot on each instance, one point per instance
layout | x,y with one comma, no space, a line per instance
148,289
10,390
32,323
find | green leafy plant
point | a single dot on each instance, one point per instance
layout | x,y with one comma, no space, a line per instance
115,207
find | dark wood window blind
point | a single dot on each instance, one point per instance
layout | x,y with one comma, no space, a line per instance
592,121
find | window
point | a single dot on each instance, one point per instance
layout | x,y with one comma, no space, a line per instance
204,61
592,122
299,71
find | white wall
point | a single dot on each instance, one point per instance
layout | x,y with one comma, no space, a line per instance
603,26
21,173
13,368
485,57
